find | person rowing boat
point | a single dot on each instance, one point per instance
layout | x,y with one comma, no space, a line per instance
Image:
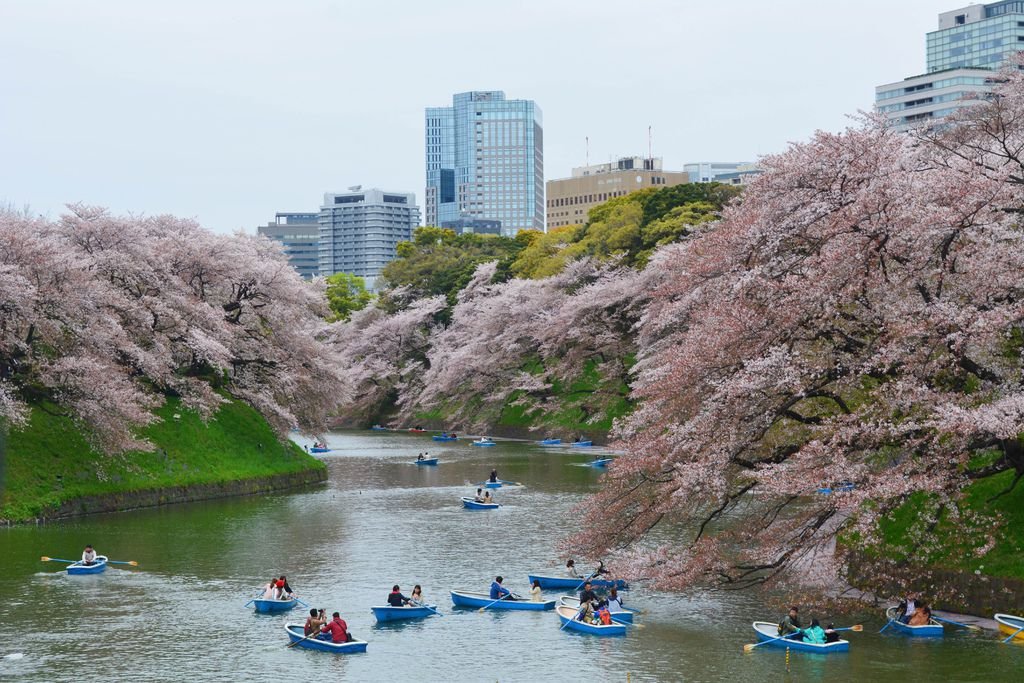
499,592
395,597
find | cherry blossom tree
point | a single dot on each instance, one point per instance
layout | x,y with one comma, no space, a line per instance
858,319
103,316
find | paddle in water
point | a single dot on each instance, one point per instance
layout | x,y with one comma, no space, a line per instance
969,627
505,595
44,558
426,606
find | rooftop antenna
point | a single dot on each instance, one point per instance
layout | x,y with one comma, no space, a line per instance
587,139
650,153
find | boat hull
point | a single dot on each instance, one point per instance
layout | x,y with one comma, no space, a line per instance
582,444
572,584
378,428
268,606
319,450
467,599
574,604
471,504
567,617
77,568
550,442
1009,624
427,461
295,634
767,631
484,444
932,630
389,613
602,463
444,438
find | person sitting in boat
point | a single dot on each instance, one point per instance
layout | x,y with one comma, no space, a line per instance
314,622
535,592
479,497
395,597
922,616
286,590
494,477
790,624
907,608
88,556
420,457
487,497
453,435
831,635
614,601
570,570
417,595
600,569
814,634
499,592
604,616
336,630
271,591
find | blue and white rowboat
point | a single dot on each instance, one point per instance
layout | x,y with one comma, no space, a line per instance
468,599
389,613
427,461
582,444
319,449
378,428
484,443
573,584
600,462
471,504
567,616
296,633
444,437
769,631
932,629
574,603
550,442
96,567
266,606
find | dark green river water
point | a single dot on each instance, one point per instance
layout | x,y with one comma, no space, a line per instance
381,520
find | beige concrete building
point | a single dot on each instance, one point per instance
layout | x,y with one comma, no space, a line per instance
569,200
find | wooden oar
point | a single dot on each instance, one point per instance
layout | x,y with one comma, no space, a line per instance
506,595
131,562
1013,635
296,642
44,558
426,606
956,623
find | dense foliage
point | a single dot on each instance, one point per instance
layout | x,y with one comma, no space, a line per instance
103,316
346,293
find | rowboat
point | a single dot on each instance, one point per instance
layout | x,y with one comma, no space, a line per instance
497,484
468,599
932,630
574,603
483,443
550,442
572,583
296,634
95,568
389,613
769,631
471,504
416,430
265,606
600,462
444,437
582,444
427,461
1010,624
319,449
378,428
567,615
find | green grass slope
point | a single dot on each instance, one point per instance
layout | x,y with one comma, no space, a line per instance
50,462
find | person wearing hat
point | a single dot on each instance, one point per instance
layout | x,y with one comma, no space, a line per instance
790,624
286,590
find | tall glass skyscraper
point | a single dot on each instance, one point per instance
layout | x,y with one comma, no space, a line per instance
485,160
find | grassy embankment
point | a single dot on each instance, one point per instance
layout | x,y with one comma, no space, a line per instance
586,405
50,462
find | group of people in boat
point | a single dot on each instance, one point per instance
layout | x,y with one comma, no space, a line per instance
423,456
598,610
278,589
792,628
319,627
914,612
396,599
483,496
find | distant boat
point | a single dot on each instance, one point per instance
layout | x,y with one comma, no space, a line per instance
932,629
417,430
471,504
483,442
769,631
600,462
550,442
468,599
582,444
574,584
319,449
444,437
567,616
389,613
296,633
378,428
838,488
98,565
574,603
426,461
266,606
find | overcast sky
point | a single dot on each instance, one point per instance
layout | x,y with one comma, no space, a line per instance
229,111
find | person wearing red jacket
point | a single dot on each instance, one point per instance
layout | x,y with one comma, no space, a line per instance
337,628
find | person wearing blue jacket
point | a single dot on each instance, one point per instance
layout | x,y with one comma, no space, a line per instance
498,591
